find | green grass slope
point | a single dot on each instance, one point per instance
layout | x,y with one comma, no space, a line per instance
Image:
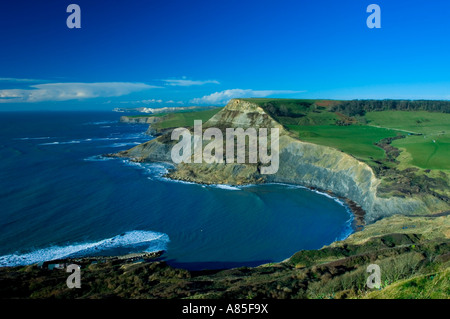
356,140
430,149
185,119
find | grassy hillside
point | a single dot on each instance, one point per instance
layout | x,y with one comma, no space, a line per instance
413,254
405,142
357,140
430,149
408,150
426,142
185,119
435,285
317,121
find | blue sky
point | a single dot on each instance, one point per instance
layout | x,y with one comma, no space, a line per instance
183,52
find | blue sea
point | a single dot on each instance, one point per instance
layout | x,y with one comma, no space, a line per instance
59,197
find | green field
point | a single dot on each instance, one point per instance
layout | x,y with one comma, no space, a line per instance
185,119
146,115
431,150
357,140
427,142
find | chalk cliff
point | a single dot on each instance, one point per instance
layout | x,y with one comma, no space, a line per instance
300,163
140,119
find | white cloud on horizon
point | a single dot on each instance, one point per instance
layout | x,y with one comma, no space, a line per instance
185,82
18,80
70,91
174,102
152,101
221,98
148,101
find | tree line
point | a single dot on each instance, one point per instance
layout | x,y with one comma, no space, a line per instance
360,107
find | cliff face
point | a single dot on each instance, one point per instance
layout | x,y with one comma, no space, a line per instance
329,169
300,163
239,113
151,151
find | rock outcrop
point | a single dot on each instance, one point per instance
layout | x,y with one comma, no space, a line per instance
300,163
140,119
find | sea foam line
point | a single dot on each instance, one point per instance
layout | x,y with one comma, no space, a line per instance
224,186
100,123
348,229
32,138
60,143
98,158
158,170
146,241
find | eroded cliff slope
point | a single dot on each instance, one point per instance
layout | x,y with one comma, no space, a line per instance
300,163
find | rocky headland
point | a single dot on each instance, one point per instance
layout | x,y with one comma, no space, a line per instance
300,163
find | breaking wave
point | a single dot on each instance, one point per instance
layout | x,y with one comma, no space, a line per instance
133,241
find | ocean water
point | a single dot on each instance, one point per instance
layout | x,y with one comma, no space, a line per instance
59,197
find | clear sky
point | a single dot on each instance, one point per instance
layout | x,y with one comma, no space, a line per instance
158,53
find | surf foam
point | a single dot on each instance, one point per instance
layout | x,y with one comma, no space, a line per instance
145,241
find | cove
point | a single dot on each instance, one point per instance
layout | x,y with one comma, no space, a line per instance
59,197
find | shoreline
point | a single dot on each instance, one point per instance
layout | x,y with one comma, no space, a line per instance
358,222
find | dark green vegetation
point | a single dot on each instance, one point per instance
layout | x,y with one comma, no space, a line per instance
407,143
414,255
428,136
355,127
360,107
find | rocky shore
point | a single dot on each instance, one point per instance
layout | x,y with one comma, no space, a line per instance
301,163
91,260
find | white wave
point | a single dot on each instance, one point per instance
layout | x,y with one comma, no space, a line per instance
98,158
52,143
104,139
337,200
225,186
60,143
145,241
348,229
290,186
96,140
178,181
32,138
122,144
131,163
293,186
100,123
158,170
155,170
